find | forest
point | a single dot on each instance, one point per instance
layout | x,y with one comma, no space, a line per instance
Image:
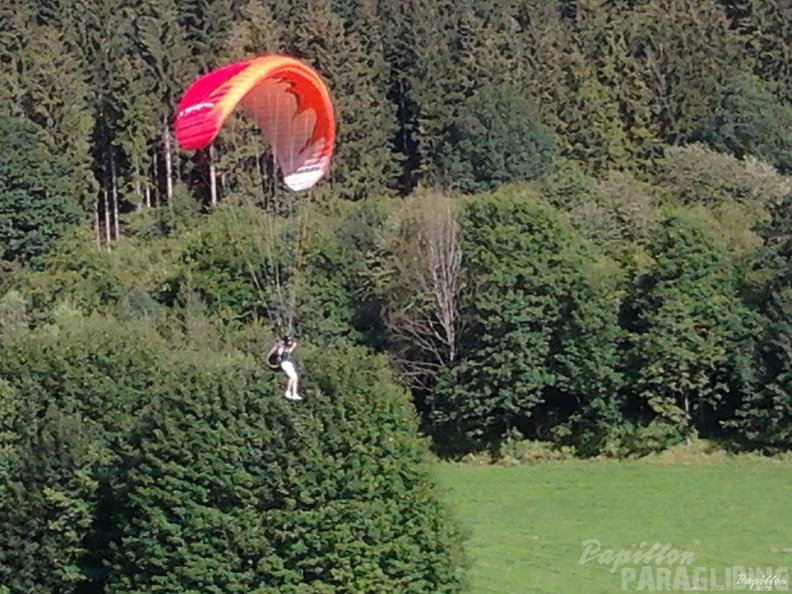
556,221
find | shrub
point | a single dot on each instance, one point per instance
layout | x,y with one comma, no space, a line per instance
140,463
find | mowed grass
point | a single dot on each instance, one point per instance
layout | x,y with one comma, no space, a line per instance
526,524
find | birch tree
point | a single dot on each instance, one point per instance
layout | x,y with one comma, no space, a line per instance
423,295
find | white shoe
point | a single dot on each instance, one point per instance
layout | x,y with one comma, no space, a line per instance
294,397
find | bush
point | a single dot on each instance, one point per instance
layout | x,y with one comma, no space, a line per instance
75,270
641,439
142,464
533,452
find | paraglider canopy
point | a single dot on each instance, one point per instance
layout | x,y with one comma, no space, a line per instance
286,98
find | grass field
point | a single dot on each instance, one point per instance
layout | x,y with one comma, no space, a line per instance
526,524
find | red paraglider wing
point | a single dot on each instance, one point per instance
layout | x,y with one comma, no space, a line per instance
198,118
286,98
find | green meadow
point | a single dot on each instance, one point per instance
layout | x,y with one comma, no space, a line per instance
526,524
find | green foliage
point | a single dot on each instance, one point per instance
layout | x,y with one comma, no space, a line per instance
692,337
531,452
586,360
78,384
334,298
47,502
573,98
13,313
10,407
77,271
634,204
523,364
688,52
750,120
764,420
304,273
36,207
497,138
239,262
642,437
44,82
363,501
138,463
605,118
738,193
448,94
616,213
769,27
626,296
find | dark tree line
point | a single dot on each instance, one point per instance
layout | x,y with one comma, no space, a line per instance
458,94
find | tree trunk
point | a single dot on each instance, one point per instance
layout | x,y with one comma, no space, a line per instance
155,177
138,189
114,188
166,138
106,200
212,177
97,225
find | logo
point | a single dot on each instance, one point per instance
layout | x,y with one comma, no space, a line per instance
657,554
197,107
662,567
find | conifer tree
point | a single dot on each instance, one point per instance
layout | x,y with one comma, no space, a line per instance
688,52
607,115
37,204
768,26
348,53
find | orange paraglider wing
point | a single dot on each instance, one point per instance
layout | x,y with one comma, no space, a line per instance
286,98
